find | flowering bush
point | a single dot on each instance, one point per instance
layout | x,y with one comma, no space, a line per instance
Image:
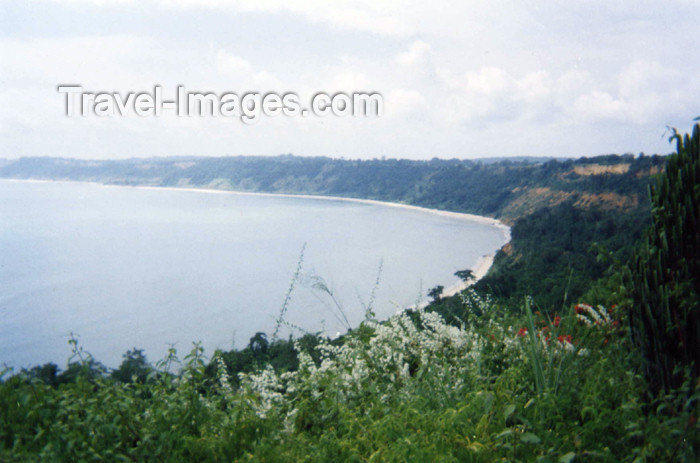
406,348
545,331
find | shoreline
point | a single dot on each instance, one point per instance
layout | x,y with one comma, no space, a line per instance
480,269
483,265
455,215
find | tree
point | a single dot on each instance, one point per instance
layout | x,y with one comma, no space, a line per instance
465,275
134,367
259,344
88,368
47,373
436,293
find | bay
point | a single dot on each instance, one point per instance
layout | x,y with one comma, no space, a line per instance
122,267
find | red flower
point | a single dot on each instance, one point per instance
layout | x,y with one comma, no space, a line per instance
557,319
578,309
522,331
562,339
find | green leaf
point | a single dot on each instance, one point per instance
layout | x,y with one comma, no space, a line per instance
488,401
476,447
530,438
587,413
509,410
567,458
505,433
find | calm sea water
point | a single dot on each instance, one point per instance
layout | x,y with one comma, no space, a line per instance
125,267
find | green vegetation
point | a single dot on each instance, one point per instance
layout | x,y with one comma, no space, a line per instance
556,252
504,189
665,274
511,369
412,388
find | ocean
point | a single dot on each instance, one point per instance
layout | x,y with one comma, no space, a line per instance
123,267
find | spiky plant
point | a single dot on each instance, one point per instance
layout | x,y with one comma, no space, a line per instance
665,272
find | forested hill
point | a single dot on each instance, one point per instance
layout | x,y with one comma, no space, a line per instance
503,189
563,213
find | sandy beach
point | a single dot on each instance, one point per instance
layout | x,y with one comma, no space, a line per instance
480,270
454,215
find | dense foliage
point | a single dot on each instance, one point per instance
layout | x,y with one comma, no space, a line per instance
555,253
665,279
412,388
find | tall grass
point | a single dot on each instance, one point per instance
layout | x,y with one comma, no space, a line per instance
288,295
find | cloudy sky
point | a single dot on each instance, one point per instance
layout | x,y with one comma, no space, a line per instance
459,79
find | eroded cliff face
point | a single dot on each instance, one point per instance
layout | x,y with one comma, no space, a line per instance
587,186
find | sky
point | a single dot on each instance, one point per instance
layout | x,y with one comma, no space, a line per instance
459,79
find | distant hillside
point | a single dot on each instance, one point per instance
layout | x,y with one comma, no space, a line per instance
557,208
504,189
525,159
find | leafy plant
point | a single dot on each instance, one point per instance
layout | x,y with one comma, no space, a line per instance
665,274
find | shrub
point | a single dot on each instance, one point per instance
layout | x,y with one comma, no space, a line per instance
665,273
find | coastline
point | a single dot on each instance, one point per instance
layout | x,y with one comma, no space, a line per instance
439,212
483,265
480,269
455,215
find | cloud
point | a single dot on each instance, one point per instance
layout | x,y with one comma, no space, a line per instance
450,71
402,103
598,105
386,17
534,87
98,3
418,54
644,92
490,94
240,69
